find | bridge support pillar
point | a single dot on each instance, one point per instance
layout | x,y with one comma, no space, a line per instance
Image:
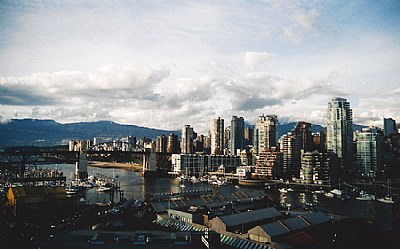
81,163
149,162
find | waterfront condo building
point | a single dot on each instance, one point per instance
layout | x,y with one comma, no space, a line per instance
266,133
188,135
290,146
269,163
199,164
339,137
172,143
217,136
236,141
161,144
370,142
319,168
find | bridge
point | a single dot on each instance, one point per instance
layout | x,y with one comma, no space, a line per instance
15,163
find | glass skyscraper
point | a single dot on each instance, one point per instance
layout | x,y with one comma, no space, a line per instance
237,135
339,137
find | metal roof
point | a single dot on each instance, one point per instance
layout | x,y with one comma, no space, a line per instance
295,224
251,216
316,218
274,229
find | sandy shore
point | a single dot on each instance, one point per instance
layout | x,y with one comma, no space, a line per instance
127,166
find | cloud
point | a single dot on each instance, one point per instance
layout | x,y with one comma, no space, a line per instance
12,95
294,37
4,120
306,18
109,81
254,59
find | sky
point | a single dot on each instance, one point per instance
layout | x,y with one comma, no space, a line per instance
165,64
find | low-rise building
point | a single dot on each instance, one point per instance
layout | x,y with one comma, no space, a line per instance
241,222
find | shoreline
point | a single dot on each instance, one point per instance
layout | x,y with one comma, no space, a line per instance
109,165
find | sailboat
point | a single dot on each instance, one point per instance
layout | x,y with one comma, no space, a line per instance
388,198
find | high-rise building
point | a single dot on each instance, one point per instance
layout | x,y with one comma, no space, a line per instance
339,137
131,142
290,146
266,133
269,163
248,135
217,136
227,137
188,136
370,142
319,140
319,168
389,126
172,143
237,135
161,144
303,130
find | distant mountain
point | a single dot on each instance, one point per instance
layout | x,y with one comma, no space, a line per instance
33,132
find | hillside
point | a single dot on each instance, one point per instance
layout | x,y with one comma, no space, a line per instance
33,132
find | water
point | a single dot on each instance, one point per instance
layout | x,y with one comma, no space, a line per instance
137,187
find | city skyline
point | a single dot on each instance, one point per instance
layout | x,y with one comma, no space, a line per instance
166,65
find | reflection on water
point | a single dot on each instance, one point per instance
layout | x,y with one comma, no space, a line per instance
137,187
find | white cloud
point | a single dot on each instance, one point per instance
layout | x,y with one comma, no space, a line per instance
306,18
254,59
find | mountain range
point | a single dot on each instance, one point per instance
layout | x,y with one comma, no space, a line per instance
35,132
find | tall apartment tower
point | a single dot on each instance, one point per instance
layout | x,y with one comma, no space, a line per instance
290,146
248,135
303,130
370,151
266,133
172,143
237,135
217,136
339,132
188,134
389,126
161,144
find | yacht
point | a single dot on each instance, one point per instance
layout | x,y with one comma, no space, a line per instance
103,189
283,190
364,196
386,199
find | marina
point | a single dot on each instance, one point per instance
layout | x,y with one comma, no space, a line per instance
137,187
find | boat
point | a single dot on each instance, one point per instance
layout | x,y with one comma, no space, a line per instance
289,190
103,189
193,179
203,179
388,198
283,190
71,190
319,192
221,182
329,194
364,196
337,192
182,185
